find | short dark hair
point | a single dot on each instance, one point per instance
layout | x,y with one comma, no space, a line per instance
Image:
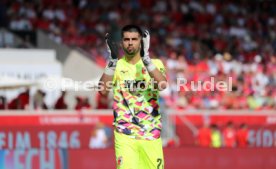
131,28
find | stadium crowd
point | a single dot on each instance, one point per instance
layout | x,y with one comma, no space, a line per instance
229,136
200,39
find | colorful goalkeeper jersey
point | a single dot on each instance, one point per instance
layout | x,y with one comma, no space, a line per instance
136,107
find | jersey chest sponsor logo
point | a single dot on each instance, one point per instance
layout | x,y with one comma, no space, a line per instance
134,85
124,71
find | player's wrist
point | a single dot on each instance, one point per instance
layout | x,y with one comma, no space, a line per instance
110,67
109,72
148,63
151,67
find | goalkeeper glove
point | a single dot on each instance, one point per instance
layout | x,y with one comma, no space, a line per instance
112,49
144,52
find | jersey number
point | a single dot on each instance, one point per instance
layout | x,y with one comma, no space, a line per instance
159,161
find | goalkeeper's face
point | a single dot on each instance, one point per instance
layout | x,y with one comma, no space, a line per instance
131,43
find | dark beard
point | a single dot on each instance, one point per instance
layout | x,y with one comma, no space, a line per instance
133,53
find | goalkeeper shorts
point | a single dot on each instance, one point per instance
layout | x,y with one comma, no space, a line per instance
138,154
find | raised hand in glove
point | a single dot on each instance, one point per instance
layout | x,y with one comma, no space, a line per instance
112,49
144,52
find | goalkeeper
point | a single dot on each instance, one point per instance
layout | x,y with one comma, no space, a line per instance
136,81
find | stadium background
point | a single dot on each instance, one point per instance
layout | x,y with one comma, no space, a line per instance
57,44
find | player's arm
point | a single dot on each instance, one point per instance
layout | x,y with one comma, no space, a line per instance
105,83
160,80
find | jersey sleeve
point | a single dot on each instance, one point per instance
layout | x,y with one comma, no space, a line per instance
160,66
115,76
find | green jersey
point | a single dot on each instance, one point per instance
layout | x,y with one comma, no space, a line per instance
136,107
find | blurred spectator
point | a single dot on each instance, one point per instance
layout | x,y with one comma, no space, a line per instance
15,104
21,102
79,103
229,135
2,102
102,101
82,103
99,138
86,104
216,136
20,23
204,136
39,100
60,104
254,102
242,136
24,98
